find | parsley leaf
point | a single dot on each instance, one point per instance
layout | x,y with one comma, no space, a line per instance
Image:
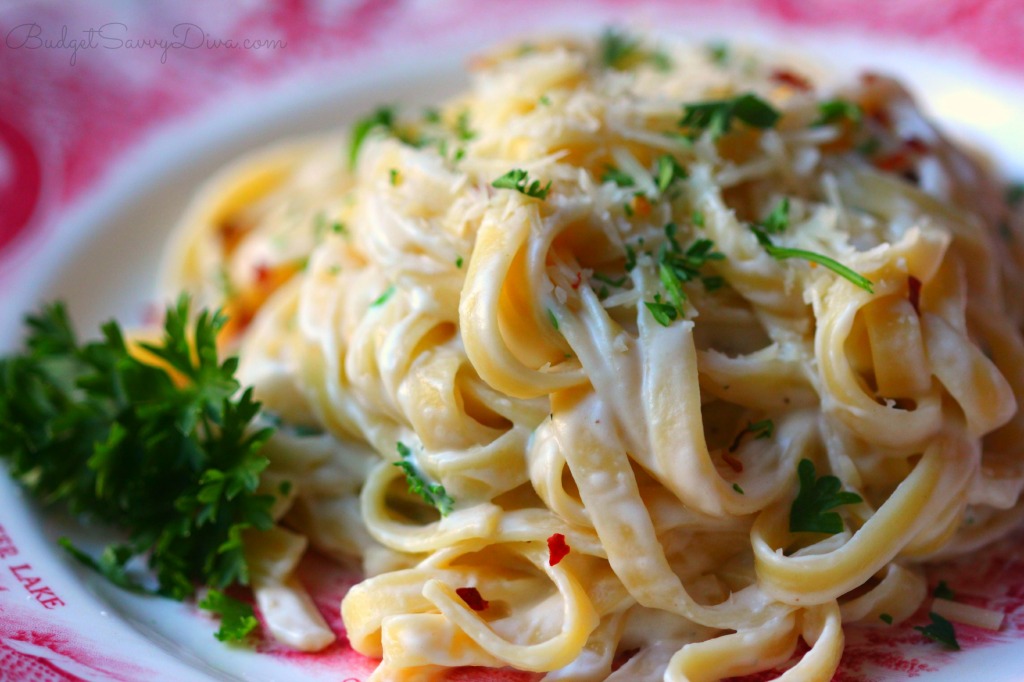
663,313
434,494
940,630
669,171
1014,194
382,117
718,52
836,110
383,298
781,253
809,513
885,618
620,178
778,220
716,116
762,429
164,451
517,179
942,591
236,617
462,129
617,48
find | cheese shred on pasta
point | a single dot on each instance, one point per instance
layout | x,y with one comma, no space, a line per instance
754,369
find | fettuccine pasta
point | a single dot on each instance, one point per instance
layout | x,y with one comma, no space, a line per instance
631,362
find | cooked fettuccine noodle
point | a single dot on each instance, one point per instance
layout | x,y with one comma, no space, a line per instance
753,355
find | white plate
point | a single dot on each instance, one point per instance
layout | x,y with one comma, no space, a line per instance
62,622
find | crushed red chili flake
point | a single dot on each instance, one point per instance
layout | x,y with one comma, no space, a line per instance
262,273
736,465
787,77
472,597
557,549
578,280
914,293
916,145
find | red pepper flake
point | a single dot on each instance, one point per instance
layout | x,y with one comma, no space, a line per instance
916,145
557,549
472,597
898,161
736,465
579,279
792,79
262,273
914,293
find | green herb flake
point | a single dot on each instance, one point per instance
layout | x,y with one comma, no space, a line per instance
393,177
382,117
759,430
942,591
663,313
836,110
737,488
462,129
237,618
885,618
668,171
697,219
672,285
941,631
434,494
545,100
458,261
718,52
716,116
552,319
660,61
628,210
617,49
630,258
810,510
778,220
517,179
782,253
431,115
620,178
383,298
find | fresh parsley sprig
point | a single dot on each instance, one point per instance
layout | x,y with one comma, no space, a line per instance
810,510
517,179
835,110
433,493
237,618
777,222
717,116
382,117
162,447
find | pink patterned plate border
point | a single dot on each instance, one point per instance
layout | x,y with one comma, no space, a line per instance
100,146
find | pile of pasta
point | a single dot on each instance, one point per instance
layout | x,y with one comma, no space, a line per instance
634,361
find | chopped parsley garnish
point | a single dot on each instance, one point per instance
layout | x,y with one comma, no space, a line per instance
617,48
942,591
718,52
620,178
885,618
762,429
781,253
660,60
810,511
434,494
338,227
165,452
716,116
236,617
393,176
663,313
777,222
383,298
431,115
517,179
737,488
462,129
382,117
697,219
630,258
607,279
458,261
836,110
545,100
940,630
552,319
668,172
